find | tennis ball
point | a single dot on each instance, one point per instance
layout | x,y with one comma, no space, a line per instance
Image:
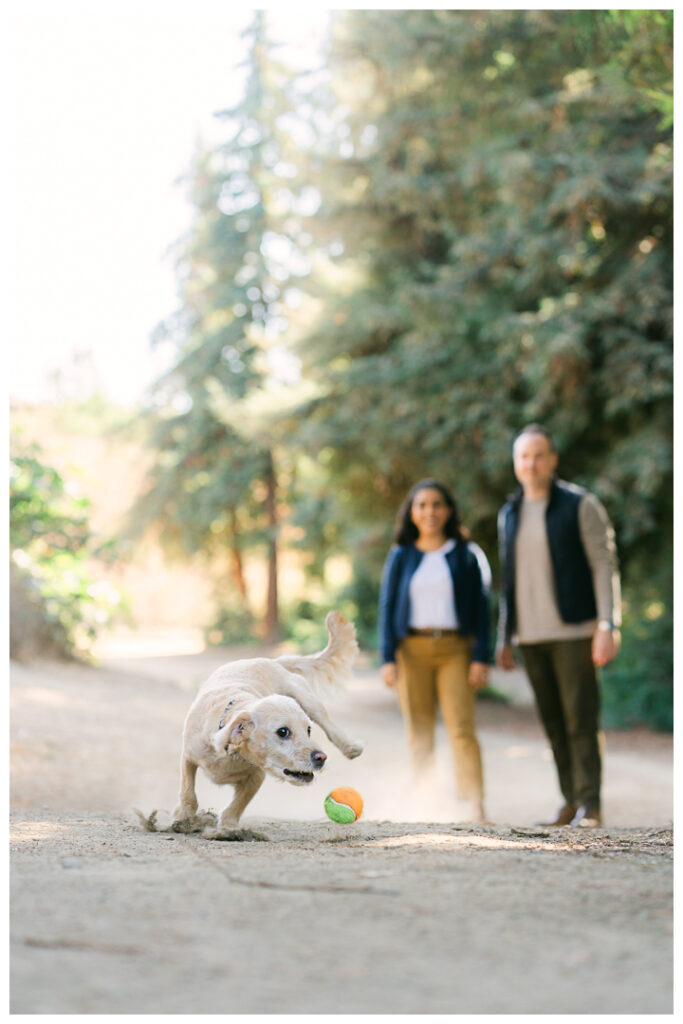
343,805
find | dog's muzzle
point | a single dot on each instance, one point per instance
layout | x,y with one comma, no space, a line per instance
318,759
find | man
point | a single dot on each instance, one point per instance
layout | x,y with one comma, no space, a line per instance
561,604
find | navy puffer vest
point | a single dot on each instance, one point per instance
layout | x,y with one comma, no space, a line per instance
572,572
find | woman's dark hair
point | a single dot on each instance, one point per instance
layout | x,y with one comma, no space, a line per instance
405,530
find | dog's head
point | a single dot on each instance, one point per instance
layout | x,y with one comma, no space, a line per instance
275,734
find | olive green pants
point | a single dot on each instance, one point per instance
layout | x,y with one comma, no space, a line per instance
565,685
432,673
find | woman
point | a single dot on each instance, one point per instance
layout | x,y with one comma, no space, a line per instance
434,630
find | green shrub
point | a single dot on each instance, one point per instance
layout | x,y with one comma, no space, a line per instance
637,688
57,606
232,624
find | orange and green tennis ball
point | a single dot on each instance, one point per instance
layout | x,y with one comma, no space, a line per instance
343,805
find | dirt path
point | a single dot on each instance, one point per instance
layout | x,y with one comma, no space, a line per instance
406,911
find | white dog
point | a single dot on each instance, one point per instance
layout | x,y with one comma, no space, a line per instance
254,716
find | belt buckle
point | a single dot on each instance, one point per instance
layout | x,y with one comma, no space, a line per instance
437,634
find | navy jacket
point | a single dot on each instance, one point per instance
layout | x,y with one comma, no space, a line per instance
469,589
571,570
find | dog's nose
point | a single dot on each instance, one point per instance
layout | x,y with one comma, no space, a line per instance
318,758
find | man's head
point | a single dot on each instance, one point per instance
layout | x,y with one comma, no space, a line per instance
535,460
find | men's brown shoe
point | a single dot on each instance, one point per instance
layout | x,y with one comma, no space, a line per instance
564,816
587,817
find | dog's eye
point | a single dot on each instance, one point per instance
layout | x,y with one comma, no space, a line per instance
309,730
283,732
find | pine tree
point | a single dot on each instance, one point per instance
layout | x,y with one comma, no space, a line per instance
215,485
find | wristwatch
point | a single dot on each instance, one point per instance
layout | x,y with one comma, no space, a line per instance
606,626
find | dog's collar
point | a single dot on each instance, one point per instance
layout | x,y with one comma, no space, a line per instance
222,721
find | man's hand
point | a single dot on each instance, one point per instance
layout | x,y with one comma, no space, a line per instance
505,657
479,675
606,644
389,674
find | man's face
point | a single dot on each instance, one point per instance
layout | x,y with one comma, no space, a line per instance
534,462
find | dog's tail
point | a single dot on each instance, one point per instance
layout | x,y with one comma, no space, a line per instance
329,668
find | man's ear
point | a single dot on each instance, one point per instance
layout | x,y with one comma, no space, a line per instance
234,733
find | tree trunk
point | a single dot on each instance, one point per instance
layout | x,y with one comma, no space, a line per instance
272,625
236,558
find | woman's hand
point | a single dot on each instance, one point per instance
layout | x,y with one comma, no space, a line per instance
389,674
479,675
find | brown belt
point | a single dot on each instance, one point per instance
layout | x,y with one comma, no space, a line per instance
436,633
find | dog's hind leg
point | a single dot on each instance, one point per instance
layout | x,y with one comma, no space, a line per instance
317,713
246,789
187,799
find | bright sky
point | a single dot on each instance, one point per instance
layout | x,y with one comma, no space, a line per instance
107,102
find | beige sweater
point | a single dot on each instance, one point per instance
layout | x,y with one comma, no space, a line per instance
538,617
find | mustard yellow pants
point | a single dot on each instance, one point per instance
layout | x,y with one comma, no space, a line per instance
432,672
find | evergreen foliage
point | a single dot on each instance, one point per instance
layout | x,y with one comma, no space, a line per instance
484,201
507,244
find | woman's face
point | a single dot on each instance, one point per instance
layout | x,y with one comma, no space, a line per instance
429,512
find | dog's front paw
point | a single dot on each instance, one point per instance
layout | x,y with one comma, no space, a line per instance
184,811
194,821
185,826
353,750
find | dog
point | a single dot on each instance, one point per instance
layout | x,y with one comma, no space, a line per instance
253,718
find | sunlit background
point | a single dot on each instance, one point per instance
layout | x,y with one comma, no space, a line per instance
109,102
268,268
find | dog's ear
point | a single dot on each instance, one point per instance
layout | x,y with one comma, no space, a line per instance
234,733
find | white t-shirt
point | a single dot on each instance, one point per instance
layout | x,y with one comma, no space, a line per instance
432,602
